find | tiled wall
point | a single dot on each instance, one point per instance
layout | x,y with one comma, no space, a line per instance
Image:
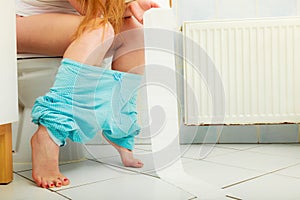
277,133
187,10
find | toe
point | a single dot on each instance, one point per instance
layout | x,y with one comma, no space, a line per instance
58,183
51,184
139,164
65,181
45,185
38,181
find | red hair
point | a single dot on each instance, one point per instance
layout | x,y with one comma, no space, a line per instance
97,14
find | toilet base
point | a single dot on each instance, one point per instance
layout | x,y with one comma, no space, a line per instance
23,131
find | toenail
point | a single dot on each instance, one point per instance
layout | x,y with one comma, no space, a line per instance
58,183
65,179
52,185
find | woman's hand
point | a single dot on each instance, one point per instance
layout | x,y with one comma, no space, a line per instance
77,6
138,8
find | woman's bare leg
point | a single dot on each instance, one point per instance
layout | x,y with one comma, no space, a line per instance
48,34
45,170
45,153
129,57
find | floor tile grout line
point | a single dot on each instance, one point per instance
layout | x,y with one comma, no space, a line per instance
93,158
73,187
135,173
29,179
113,165
44,188
256,177
24,177
171,184
85,184
209,156
143,149
247,150
231,197
254,170
105,157
264,173
232,148
256,145
62,189
146,174
288,176
222,147
23,170
221,164
149,174
62,195
269,154
97,161
193,198
94,145
112,156
60,164
236,151
124,168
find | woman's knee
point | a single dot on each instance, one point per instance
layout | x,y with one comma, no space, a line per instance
99,39
92,45
103,34
109,30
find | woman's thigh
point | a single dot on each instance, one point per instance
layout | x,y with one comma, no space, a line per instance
48,34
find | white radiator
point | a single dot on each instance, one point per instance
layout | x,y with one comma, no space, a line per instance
258,63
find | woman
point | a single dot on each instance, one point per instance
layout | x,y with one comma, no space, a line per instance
84,33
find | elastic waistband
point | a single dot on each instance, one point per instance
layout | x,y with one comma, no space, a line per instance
98,70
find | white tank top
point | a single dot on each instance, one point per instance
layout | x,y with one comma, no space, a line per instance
33,7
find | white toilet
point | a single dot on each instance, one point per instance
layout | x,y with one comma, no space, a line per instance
36,74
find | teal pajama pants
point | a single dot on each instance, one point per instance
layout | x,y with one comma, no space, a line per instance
85,100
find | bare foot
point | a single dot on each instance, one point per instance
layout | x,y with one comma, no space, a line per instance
127,156
45,152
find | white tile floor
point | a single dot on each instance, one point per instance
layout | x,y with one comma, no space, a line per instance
243,171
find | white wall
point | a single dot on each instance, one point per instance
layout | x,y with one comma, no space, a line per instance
227,9
8,66
163,3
